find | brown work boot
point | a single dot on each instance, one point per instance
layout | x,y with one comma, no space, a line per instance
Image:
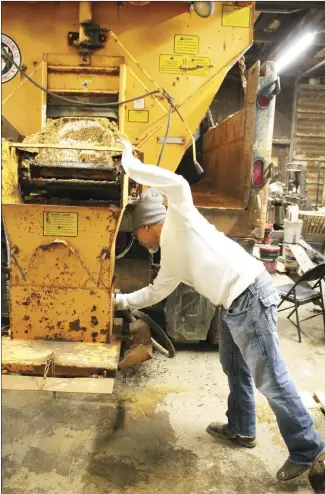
291,472
217,430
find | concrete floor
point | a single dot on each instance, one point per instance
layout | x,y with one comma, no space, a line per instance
149,437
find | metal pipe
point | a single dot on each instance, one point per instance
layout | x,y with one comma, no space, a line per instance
66,146
317,193
287,6
293,116
271,10
114,69
315,67
85,16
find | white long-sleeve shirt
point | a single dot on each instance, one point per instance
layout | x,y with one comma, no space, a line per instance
193,251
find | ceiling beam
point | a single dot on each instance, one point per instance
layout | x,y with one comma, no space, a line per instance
310,22
287,6
275,38
314,68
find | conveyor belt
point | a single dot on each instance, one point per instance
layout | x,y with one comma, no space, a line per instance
75,180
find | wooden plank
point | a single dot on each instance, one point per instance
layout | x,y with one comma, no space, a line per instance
302,257
137,356
308,400
310,213
55,384
66,353
320,398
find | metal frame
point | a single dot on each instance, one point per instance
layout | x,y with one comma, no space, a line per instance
297,304
79,357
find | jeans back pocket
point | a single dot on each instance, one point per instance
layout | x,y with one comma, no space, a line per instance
270,304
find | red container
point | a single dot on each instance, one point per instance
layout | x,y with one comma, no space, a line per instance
269,252
268,233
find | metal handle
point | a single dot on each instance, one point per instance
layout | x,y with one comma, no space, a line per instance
70,247
13,253
56,242
269,172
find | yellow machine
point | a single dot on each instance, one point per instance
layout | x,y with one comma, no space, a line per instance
166,62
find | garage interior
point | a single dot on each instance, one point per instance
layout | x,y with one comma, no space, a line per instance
148,435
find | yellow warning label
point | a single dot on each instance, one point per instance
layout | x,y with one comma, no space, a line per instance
141,116
171,64
60,224
198,66
236,16
189,45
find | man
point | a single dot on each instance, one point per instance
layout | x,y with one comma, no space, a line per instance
195,253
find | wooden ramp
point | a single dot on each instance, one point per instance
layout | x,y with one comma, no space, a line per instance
86,385
67,366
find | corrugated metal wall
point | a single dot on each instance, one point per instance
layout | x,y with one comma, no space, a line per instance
308,144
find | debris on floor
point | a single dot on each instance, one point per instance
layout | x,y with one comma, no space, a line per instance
149,436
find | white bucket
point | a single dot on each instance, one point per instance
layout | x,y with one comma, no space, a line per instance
292,231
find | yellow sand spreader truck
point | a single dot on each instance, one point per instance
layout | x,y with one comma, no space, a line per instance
75,77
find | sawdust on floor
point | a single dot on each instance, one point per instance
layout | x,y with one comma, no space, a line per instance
264,414
143,401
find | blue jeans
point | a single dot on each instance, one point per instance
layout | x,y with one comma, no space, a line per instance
249,352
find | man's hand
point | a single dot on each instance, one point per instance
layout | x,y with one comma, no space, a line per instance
120,302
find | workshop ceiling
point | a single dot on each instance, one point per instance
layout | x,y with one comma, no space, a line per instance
277,24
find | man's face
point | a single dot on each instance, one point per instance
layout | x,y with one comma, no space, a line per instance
148,237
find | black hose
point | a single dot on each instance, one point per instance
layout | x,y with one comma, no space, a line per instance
164,339
125,314
127,248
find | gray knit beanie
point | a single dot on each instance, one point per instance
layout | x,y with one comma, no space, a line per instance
149,210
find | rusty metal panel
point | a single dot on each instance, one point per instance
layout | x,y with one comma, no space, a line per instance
230,150
70,81
227,156
224,181
308,144
61,285
60,313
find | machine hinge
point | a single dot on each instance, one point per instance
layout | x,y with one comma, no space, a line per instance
95,38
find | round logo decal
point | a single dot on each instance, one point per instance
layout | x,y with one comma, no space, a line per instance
8,70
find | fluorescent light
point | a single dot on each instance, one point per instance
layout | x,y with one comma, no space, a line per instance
294,51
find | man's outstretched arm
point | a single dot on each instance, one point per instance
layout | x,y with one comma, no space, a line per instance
175,187
162,286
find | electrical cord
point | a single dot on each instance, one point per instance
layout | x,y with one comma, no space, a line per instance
162,91
101,105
